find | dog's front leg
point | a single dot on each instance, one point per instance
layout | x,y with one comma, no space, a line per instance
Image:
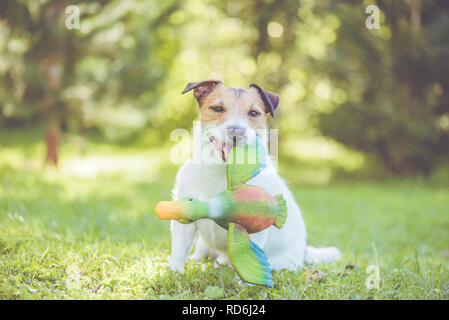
182,236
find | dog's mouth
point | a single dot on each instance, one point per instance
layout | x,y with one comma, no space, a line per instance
223,147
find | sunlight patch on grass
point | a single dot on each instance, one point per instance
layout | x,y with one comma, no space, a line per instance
322,149
16,159
92,166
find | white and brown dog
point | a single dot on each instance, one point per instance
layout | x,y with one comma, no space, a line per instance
231,116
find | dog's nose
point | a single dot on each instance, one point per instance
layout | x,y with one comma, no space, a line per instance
235,131
236,134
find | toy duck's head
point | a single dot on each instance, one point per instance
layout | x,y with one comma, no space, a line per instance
184,210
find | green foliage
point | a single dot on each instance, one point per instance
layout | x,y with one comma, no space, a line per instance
381,92
105,75
396,83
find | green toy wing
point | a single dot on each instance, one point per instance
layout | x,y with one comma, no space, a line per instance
247,258
245,162
282,215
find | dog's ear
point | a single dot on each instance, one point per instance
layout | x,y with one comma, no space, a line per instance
201,88
270,99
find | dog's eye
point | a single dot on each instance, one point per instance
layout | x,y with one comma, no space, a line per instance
254,113
217,108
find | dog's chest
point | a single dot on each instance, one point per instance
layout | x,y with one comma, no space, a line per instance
207,183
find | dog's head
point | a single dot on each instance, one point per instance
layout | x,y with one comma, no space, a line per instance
232,116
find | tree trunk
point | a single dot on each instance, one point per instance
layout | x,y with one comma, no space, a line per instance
52,141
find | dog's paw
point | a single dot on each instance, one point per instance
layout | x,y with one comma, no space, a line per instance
176,267
197,257
222,260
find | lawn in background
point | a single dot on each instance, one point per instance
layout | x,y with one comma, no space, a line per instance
88,231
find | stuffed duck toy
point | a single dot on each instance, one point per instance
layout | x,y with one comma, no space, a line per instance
242,209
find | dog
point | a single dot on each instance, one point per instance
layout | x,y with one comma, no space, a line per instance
233,116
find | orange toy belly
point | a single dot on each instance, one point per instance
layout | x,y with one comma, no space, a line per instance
253,224
247,193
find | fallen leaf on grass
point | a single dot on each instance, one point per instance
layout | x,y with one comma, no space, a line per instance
97,288
349,266
317,276
344,273
213,292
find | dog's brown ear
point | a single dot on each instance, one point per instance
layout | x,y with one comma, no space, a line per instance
270,99
201,88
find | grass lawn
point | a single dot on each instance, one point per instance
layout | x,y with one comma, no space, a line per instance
88,231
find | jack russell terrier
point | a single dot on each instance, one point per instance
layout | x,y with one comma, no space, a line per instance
231,116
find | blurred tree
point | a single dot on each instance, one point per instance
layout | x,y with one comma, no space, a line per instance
56,74
275,40
397,84
379,91
383,92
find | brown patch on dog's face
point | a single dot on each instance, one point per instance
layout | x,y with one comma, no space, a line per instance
224,104
231,116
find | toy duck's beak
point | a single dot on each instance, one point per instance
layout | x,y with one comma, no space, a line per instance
170,210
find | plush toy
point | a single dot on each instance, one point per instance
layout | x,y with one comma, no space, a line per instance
241,209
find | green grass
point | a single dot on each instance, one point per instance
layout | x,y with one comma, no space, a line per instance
74,234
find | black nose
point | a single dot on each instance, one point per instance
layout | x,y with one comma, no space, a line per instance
236,134
235,131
